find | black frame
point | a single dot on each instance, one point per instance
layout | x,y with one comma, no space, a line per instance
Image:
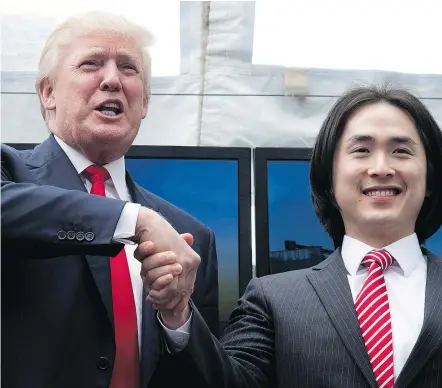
261,157
242,155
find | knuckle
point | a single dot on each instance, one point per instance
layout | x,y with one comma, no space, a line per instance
149,246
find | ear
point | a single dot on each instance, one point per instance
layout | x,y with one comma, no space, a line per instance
47,94
145,106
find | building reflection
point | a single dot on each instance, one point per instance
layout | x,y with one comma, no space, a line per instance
296,256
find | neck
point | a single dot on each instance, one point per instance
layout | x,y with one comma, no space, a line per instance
378,237
93,152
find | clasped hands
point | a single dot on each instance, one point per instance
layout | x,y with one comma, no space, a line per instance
168,281
168,269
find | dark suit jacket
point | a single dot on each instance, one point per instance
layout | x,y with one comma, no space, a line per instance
57,325
299,329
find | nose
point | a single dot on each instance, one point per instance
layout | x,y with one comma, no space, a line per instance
111,78
381,167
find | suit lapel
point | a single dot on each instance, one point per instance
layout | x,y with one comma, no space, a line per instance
430,338
150,341
330,281
51,166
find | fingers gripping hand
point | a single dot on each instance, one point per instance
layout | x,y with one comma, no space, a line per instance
160,276
186,279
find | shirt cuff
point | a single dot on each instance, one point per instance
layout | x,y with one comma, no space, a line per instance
176,340
127,223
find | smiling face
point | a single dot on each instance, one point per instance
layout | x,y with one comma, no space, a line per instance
379,174
98,99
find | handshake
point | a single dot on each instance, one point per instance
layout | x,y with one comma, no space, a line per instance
168,266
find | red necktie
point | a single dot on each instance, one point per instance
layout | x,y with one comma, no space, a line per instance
125,371
373,311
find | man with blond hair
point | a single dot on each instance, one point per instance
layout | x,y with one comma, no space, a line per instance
74,311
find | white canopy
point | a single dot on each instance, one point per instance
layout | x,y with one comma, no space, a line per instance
237,73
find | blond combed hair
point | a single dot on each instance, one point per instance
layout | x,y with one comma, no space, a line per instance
84,24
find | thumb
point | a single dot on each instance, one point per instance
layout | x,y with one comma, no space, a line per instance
188,238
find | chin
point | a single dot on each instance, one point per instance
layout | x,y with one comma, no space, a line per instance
382,220
110,135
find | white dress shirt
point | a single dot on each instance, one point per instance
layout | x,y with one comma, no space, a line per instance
116,188
405,281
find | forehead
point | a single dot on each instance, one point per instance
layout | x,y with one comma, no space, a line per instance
106,43
381,121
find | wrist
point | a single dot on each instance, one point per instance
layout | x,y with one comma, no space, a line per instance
144,226
174,320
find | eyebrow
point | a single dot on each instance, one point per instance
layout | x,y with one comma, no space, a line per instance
121,54
395,139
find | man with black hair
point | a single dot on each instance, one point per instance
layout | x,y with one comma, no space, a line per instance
370,315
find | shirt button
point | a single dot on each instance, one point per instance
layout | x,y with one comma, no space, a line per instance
103,363
71,235
80,236
61,234
89,236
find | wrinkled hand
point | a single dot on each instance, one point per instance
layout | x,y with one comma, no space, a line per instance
161,271
155,235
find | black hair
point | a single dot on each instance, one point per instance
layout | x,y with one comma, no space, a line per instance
321,168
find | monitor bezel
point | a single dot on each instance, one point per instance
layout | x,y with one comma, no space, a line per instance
262,155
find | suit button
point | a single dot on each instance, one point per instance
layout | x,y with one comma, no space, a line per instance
89,236
71,235
80,236
103,363
61,234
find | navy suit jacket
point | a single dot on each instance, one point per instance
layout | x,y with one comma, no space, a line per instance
300,329
57,325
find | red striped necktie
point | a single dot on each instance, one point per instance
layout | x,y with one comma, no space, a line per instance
125,370
373,311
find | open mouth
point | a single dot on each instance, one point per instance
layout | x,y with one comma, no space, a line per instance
378,192
111,109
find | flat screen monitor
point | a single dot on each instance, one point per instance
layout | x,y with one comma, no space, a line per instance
213,185
288,233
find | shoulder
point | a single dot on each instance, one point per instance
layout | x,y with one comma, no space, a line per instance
299,279
284,279
278,292
13,159
282,284
432,257
8,150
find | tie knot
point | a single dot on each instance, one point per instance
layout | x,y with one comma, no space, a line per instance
380,257
96,173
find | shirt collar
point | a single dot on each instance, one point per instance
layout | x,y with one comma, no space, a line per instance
116,169
405,251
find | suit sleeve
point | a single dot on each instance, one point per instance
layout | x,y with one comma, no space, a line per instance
245,355
36,220
177,369
244,358
209,292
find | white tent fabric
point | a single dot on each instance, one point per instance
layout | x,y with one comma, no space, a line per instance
220,97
